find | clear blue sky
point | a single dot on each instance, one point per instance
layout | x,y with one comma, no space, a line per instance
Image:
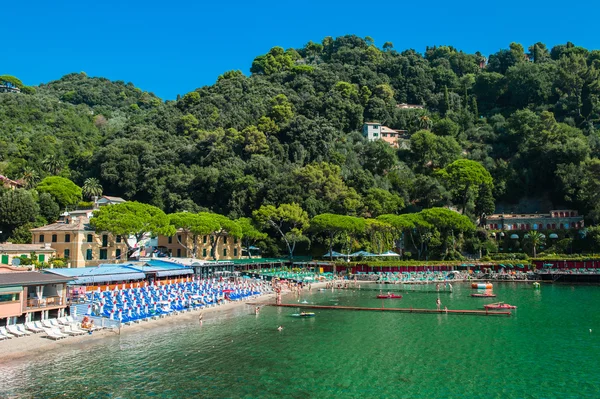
171,47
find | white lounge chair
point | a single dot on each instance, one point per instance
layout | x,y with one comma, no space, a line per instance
5,333
22,329
75,328
69,331
54,322
31,327
38,324
3,337
46,324
50,333
13,330
63,321
70,319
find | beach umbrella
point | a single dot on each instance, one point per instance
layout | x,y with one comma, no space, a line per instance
553,235
514,236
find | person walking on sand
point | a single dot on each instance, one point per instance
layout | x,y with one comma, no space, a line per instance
201,318
438,303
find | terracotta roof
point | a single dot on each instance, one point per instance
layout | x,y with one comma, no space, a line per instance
116,199
25,248
80,224
30,278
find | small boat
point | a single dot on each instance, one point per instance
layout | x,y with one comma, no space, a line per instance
482,286
304,314
390,296
536,285
484,295
499,306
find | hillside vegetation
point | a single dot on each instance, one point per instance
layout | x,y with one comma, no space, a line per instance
291,132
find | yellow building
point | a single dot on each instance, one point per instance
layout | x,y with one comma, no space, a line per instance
9,251
227,247
76,240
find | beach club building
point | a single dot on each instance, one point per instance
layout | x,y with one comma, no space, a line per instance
563,219
29,295
74,239
11,254
228,248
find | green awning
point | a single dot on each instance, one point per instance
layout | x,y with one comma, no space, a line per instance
520,266
13,289
501,265
510,266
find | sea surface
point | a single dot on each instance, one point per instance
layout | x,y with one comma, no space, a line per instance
544,350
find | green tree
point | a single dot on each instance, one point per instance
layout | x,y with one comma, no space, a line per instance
193,225
17,207
332,226
250,233
463,176
132,219
289,220
64,191
91,188
224,227
534,239
49,209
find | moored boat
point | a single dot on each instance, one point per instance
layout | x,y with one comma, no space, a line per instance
304,314
389,296
482,286
484,295
499,306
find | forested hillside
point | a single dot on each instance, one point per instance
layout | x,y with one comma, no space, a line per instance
291,132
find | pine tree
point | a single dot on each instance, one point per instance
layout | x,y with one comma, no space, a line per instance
474,108
446,104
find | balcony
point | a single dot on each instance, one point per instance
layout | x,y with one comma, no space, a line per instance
46,302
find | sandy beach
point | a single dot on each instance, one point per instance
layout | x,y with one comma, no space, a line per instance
16,348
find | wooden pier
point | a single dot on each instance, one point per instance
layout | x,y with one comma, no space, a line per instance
400,310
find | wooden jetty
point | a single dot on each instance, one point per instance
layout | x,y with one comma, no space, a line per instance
401,310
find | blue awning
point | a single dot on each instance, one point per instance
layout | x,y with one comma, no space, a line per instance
177,272
105,278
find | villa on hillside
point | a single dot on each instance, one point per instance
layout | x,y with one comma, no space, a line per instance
376,131
554,220
8,183
75,239
410,106
227,247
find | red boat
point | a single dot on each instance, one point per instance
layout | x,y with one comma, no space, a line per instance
499,306
483,295
390,296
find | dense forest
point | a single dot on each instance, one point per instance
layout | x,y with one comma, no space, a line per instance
291,133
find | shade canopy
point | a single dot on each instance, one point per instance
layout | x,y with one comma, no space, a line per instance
335,254
514,236
553,235
389,253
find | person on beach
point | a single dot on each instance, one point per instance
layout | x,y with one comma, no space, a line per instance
200,318
438,303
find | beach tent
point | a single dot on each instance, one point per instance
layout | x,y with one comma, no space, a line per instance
335,254
388,253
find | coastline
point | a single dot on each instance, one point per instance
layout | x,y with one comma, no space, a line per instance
35,344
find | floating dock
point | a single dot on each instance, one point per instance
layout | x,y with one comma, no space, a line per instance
400,310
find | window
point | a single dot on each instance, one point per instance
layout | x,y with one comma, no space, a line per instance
67,253
90,238
103,254
375,134
54,238
179,237
89,254
235,240
572,214
224,251
375,126
384,135
553,226
5,259
118,253
67,237
548,226
41,238
170,240
179,252
10,297
41,258
105,240
225,240
118,239
204,240
204,252
234,251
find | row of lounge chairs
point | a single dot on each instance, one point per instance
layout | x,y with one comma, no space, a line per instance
55,329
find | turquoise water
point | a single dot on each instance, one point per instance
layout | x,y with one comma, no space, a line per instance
545,350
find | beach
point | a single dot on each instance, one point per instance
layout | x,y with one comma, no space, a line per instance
36,344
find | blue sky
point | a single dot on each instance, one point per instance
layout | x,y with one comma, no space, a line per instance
173,47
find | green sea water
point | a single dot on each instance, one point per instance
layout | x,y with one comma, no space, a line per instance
545,350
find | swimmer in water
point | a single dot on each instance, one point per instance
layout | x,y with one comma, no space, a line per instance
279,328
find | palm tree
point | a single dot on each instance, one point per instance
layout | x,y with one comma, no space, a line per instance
535,239
53,164
425,122
30,177
91,188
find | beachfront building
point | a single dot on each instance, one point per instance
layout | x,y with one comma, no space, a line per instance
554,220
180,246
11,254
376,131
29,295
74,239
